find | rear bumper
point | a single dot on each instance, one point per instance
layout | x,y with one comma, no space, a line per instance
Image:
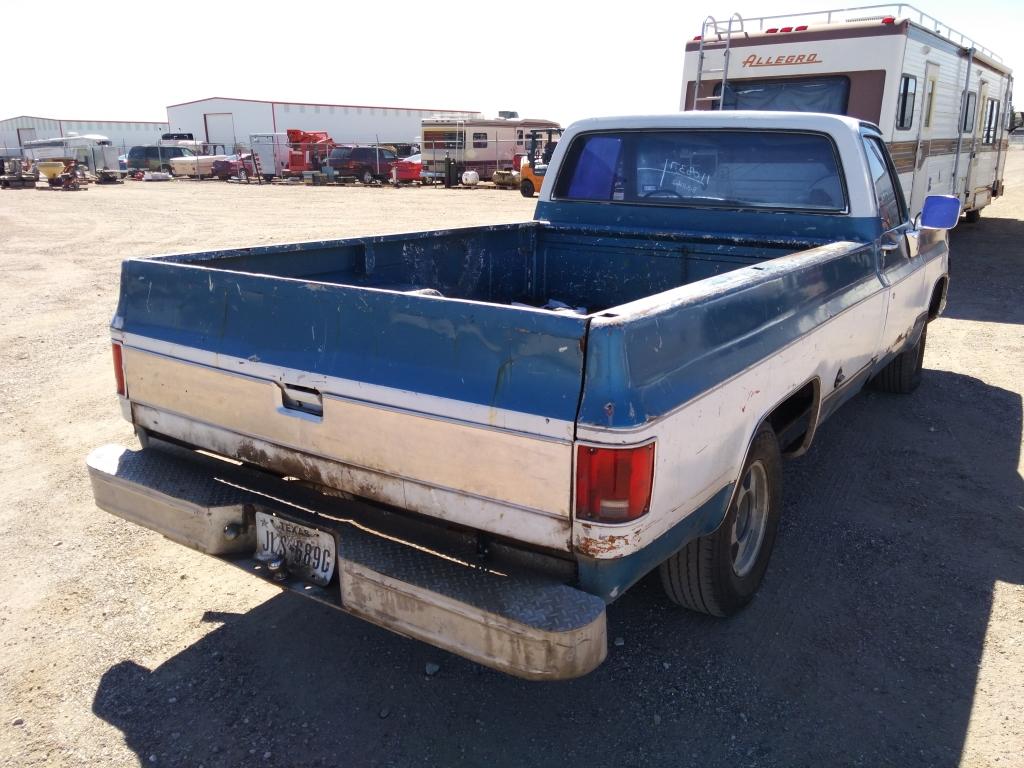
525,624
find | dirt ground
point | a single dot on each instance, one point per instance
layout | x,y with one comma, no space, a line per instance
889,631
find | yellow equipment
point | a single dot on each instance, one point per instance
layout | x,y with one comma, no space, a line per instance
534,165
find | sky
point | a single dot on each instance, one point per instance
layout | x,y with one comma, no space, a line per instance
560,60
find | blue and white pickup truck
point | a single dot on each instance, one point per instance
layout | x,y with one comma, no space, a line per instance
480,437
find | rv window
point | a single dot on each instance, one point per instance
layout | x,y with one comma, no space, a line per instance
905,109
705,168
886,187
809,94
991,122
479,141
967,125
440,140
929,102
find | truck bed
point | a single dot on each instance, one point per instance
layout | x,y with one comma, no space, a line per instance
384,366
524,265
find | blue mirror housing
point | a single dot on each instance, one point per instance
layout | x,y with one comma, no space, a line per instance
940,212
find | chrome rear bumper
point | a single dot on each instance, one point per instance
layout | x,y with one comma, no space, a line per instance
525,624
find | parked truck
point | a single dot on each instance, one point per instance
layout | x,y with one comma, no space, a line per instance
480,437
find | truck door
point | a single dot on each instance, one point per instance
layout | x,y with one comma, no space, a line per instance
923,171
898,265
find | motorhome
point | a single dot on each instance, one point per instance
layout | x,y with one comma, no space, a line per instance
942,101
481,145
92,151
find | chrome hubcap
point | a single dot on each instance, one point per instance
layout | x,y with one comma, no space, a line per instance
749,522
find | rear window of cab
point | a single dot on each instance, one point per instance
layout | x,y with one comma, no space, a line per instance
705,168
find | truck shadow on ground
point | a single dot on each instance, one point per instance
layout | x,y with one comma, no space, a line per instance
861,649
989,256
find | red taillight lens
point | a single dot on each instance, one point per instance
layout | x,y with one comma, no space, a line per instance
772,30
118,368
889,20
613,485
786,29
801,28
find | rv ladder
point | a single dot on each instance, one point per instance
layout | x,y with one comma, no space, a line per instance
718,28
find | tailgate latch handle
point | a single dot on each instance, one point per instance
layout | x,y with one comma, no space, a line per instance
299,399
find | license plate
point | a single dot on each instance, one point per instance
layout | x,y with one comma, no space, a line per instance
308,553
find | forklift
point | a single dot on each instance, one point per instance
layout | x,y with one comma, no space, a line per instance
534,166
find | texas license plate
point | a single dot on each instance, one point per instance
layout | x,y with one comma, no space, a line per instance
308,553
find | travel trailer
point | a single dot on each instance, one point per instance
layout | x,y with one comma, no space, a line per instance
479,144
941,99
89,150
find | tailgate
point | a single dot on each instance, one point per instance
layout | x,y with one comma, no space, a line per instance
458,409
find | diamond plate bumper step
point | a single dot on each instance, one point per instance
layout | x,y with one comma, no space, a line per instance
525,624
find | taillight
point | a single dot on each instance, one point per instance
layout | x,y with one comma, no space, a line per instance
613,485
118,368
889,20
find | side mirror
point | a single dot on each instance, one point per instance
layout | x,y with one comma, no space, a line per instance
940,212
1016,121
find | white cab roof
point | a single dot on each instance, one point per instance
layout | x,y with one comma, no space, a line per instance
845,131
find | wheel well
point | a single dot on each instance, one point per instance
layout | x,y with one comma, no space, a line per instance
795,418
938,298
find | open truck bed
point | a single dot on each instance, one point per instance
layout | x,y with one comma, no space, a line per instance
400,358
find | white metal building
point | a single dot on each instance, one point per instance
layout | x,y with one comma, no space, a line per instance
228,121
15,131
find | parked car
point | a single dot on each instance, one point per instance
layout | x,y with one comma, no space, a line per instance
408,169
232,165
364,162
154,158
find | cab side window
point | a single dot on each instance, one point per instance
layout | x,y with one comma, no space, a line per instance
887,192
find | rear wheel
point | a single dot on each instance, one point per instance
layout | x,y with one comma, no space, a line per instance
367,177
719,573
973,216
903,373
526,188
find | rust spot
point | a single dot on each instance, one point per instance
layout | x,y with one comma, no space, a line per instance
291,464
750,394
601,545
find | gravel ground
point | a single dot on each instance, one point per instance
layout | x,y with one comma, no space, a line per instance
889,631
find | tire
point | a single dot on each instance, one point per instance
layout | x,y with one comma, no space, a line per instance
903,373
715,574
526,188
973,216
366,176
